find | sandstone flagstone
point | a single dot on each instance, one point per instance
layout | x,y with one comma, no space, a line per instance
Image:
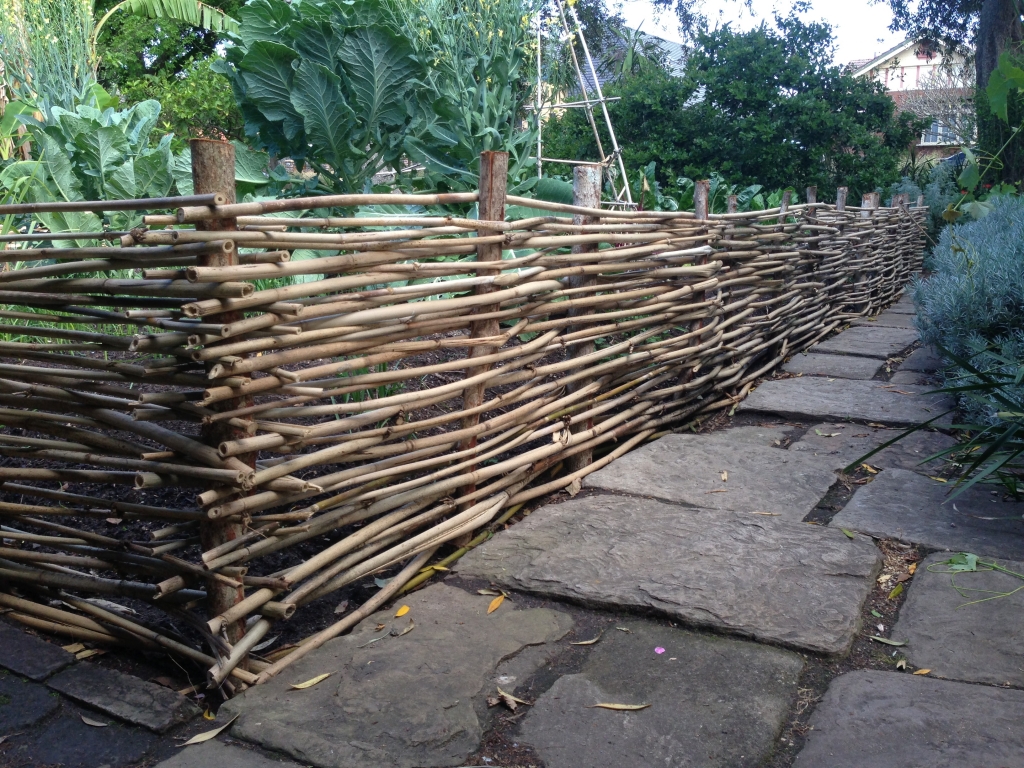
29,655
878,342
214,754
125,697
66,741
977,643
871,719
22,703
865,401
925,359
904,505
788,583
886,320
414,700
688,469
845,443
713,702
839,366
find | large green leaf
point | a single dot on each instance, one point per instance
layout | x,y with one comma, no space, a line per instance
265,20
379,67
58,167
267,71
318,42
103,149
153,172
328,119
121,183
190,11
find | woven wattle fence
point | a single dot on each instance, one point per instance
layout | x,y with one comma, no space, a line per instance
420,378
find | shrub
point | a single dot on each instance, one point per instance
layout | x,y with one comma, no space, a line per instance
940,190
973,302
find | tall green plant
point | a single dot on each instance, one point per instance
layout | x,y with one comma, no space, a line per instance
328,82
477,58
48,47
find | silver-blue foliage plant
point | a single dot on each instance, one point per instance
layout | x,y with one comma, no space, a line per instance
972,304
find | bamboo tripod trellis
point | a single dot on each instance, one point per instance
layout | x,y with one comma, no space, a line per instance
408,388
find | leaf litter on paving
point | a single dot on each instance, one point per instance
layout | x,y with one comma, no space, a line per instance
620,707
201,737
495,604
311,682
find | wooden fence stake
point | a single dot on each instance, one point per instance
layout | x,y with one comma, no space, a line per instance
812,195
732,204
841,194
213,171
586,193
701,193
491,207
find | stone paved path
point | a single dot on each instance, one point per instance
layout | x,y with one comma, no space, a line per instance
684,586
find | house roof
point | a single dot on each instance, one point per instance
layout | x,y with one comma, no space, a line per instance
676,56
863,66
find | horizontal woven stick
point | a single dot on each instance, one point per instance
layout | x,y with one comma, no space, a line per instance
99,206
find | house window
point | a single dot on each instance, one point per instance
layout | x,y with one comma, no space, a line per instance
938,133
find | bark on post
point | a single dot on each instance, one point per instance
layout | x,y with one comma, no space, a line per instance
841,194
812,195
784,206
586,193
701,193
920,201
732,204
213,171
491,206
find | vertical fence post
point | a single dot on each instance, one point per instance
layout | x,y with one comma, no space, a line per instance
784,206
920,201
866,205
586,193
732,204
491,207
812,195
701,193
213,170
841,194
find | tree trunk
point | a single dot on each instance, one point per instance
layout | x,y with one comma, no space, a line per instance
999,28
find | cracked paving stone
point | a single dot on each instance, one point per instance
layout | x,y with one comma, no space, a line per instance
879,342
788,583
417,700
30,656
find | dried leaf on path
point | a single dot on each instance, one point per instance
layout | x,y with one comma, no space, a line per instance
201,737
94,723
408,629
589,642
311,682
401,611
887,641
620,707
495,604
922,672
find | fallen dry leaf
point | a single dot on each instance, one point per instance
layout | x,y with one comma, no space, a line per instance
588,642
887,641
401,611
408,629
311,682
912,569
73,648
495,604
869,469
938,479
199,738
901,664
89,653
574,487
725,476
488,592
342,607
511,701
922,672
115,520
884,578
620,707
902,577
209,715
94,723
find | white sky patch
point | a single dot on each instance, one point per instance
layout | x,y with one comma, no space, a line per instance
861,27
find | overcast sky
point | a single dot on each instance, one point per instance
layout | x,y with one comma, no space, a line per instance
861,28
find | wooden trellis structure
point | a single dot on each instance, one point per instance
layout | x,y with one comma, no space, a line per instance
407,388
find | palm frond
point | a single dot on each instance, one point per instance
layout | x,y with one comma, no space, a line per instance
189,11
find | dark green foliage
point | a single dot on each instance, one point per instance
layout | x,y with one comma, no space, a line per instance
766,106
326,82
196,103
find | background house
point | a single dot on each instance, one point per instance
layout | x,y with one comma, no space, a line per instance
931,81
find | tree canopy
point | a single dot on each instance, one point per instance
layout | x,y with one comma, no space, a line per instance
767,106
